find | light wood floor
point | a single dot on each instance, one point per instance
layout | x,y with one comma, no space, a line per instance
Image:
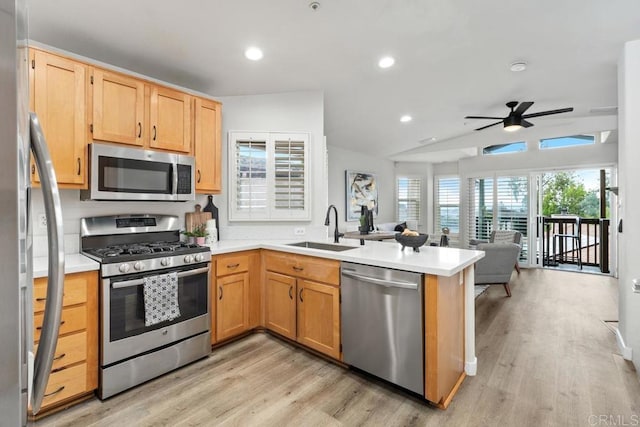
546,358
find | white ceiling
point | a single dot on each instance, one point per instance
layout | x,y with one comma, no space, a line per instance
452,56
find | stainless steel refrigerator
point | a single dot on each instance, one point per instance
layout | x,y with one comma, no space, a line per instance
23,383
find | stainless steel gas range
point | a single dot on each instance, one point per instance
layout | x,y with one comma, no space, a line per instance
154,297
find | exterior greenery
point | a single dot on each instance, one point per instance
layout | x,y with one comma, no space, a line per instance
565,193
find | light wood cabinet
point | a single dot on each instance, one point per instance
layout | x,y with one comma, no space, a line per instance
75,367
312,317
237,292
118,108
319,317
58,95
280,311
207,145
232,305
170,120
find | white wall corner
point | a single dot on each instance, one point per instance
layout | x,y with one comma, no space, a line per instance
471,367
625,351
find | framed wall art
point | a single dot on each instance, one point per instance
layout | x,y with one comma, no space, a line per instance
361,190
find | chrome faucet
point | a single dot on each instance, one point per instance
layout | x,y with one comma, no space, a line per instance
336,234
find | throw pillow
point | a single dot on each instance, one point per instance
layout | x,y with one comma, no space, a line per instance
400,227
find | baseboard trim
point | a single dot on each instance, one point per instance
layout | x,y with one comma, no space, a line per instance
471,368
625,351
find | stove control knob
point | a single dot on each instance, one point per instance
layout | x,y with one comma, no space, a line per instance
164,262
188,259
199,257
124,268
138,266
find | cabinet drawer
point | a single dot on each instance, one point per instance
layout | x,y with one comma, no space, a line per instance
232,264
312,268
65,383
75,291
73,319
70,349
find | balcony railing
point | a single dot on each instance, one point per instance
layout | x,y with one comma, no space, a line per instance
593,248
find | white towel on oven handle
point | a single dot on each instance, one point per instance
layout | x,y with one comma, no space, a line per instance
160,298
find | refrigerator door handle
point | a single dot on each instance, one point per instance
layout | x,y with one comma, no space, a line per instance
55,285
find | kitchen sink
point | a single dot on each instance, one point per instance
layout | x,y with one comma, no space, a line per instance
322,246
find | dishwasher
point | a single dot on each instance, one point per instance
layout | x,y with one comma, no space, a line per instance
382,323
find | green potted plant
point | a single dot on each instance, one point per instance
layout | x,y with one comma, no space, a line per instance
199,233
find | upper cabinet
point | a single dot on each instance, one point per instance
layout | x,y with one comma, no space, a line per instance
78,103
207,145
118,108
170,120
58,95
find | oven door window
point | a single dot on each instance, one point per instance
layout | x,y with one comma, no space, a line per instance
127,306
134,176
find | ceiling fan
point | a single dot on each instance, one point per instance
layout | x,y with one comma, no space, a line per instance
516,118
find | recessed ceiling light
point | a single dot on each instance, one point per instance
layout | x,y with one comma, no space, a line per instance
406,118
518,66
386,62
253,53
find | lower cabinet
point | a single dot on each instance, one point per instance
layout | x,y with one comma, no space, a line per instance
74,372
235,293
232,305
301,309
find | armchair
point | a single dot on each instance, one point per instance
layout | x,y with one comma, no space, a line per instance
497,265
501,236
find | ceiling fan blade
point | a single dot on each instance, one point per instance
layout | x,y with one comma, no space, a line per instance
524,106
488,126
547,113
484,117
526,124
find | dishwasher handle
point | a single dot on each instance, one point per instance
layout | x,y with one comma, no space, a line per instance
381,282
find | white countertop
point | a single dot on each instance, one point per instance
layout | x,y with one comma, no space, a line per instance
430,259
73,263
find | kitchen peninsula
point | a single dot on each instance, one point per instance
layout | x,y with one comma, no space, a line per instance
251,271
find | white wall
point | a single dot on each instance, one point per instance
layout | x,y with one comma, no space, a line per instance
293,111
341,160
629,198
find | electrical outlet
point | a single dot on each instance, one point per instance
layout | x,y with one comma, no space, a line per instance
299,231
42,221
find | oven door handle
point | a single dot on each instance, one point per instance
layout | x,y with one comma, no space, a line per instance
138,282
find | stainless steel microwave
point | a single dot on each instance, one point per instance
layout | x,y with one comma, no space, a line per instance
126,173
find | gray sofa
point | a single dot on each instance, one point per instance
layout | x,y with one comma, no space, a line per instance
497,265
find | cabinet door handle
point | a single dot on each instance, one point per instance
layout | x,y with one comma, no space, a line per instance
139,129
220,288
41,299
33,169
199,176
296,268
59,357
301,300
290,294
154,132
40,327
236,265
58,369
54,392
79,165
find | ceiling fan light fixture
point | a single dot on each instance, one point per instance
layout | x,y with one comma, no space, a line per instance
512,124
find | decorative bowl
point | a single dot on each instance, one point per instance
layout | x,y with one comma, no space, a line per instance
412,241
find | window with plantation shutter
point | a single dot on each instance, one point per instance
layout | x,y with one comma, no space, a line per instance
408,193
447,204
499,203
268,176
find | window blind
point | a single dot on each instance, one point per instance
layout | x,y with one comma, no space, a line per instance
408,194
512,196
480,208
289,174
251,175
447,204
